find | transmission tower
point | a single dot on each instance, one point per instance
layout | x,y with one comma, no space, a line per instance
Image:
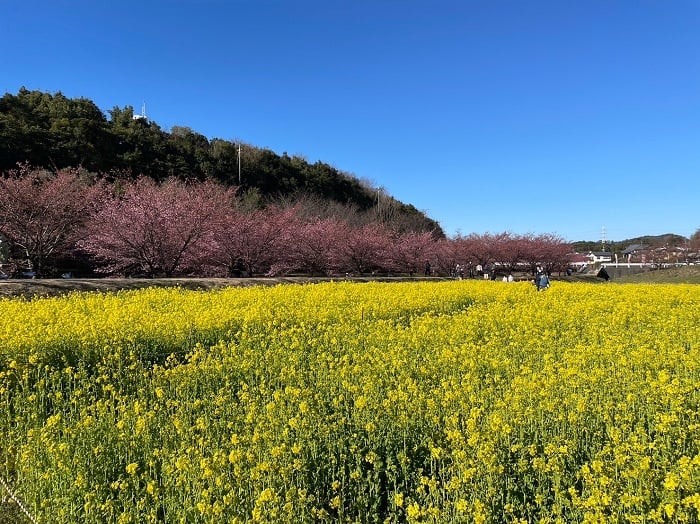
603,238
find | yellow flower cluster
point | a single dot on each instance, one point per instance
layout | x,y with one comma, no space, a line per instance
441,402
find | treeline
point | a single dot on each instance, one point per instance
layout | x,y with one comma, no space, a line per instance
55,132
655,241
71,220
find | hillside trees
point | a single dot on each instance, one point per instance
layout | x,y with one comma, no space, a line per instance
41,213
78,133
157,229
55,132
400,217
142,147
224,162
23,130
52,131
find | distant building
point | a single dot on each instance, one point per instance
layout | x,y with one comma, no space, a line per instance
578,261
633,249
599,257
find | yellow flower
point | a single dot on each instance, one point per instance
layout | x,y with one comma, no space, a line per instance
671,481
669,510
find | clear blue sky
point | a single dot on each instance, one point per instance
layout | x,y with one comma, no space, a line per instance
525,116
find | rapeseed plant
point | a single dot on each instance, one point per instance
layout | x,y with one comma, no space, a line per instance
416,402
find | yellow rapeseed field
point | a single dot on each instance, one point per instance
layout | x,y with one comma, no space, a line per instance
463,401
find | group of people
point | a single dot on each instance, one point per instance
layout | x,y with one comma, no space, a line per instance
541,279
541,276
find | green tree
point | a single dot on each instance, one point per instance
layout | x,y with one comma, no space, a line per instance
224,160
188,154
141,145
78,133
24,129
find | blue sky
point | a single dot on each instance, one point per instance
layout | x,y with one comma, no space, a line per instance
568,117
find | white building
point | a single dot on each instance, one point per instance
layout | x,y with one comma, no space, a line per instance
599,257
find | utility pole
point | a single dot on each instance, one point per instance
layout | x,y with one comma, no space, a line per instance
239,164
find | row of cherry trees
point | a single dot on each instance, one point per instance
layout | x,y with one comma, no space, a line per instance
142,227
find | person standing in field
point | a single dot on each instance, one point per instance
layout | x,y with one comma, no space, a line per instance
541,279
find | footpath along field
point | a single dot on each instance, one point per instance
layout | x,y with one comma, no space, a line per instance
463,401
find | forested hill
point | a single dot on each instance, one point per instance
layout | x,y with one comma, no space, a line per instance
669,239
53,131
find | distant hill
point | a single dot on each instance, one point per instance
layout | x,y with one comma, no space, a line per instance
53,131
668,240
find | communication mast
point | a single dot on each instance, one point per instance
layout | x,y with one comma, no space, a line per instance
142,116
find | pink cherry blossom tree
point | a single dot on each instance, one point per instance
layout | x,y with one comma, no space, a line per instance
550,251
365,249
410,251
446,256
470,252
252,240
41,213
506,250
312,247
157,229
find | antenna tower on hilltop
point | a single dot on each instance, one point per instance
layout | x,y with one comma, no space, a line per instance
142,116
